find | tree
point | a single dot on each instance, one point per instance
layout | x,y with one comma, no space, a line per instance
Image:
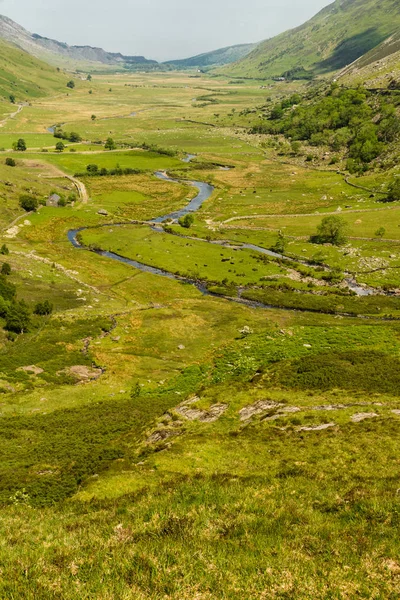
60,147
18,317
4,250
92,169
94,117
74,137
186,221
28,203
379,233
12,98
71,84
394,189
6,269
110,144
281,243
89,77
10,162
20,145
43,308
331,230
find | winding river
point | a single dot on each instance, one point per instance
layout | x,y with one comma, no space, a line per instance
205,191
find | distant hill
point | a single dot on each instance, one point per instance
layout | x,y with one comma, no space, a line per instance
337,36
63,55
26,77
222,56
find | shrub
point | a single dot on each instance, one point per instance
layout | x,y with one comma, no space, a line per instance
43,308
28,203
6,269
10,162
186,221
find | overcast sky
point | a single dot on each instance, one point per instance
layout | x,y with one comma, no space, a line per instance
160,29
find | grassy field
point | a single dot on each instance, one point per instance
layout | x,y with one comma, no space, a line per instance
160,443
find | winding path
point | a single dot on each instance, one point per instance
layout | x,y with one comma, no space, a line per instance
12,115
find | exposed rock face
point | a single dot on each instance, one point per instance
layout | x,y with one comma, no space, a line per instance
211,415
362,416
82,373
259,408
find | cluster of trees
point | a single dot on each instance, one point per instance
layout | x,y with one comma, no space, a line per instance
347,120
70,137
94,170
16,313
158,150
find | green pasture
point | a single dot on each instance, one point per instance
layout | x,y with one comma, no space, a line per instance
188,257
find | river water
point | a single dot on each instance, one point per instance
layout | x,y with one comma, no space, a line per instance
205,191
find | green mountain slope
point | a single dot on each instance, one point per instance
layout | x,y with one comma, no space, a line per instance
222,56
25,76
379,68
334,38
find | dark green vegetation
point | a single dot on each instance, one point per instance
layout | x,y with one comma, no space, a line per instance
353,123
334,38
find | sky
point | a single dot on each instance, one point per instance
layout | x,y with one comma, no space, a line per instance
160,29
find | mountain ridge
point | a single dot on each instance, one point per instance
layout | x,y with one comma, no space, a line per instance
219,57
58,53
335,37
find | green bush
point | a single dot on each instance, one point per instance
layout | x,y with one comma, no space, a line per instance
28,203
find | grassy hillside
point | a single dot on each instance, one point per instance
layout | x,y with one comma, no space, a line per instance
162,440
222,56
379,68
334,38
25,76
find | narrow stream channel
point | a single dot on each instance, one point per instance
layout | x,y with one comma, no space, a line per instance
205,191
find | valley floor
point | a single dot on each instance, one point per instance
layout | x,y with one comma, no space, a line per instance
230,431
